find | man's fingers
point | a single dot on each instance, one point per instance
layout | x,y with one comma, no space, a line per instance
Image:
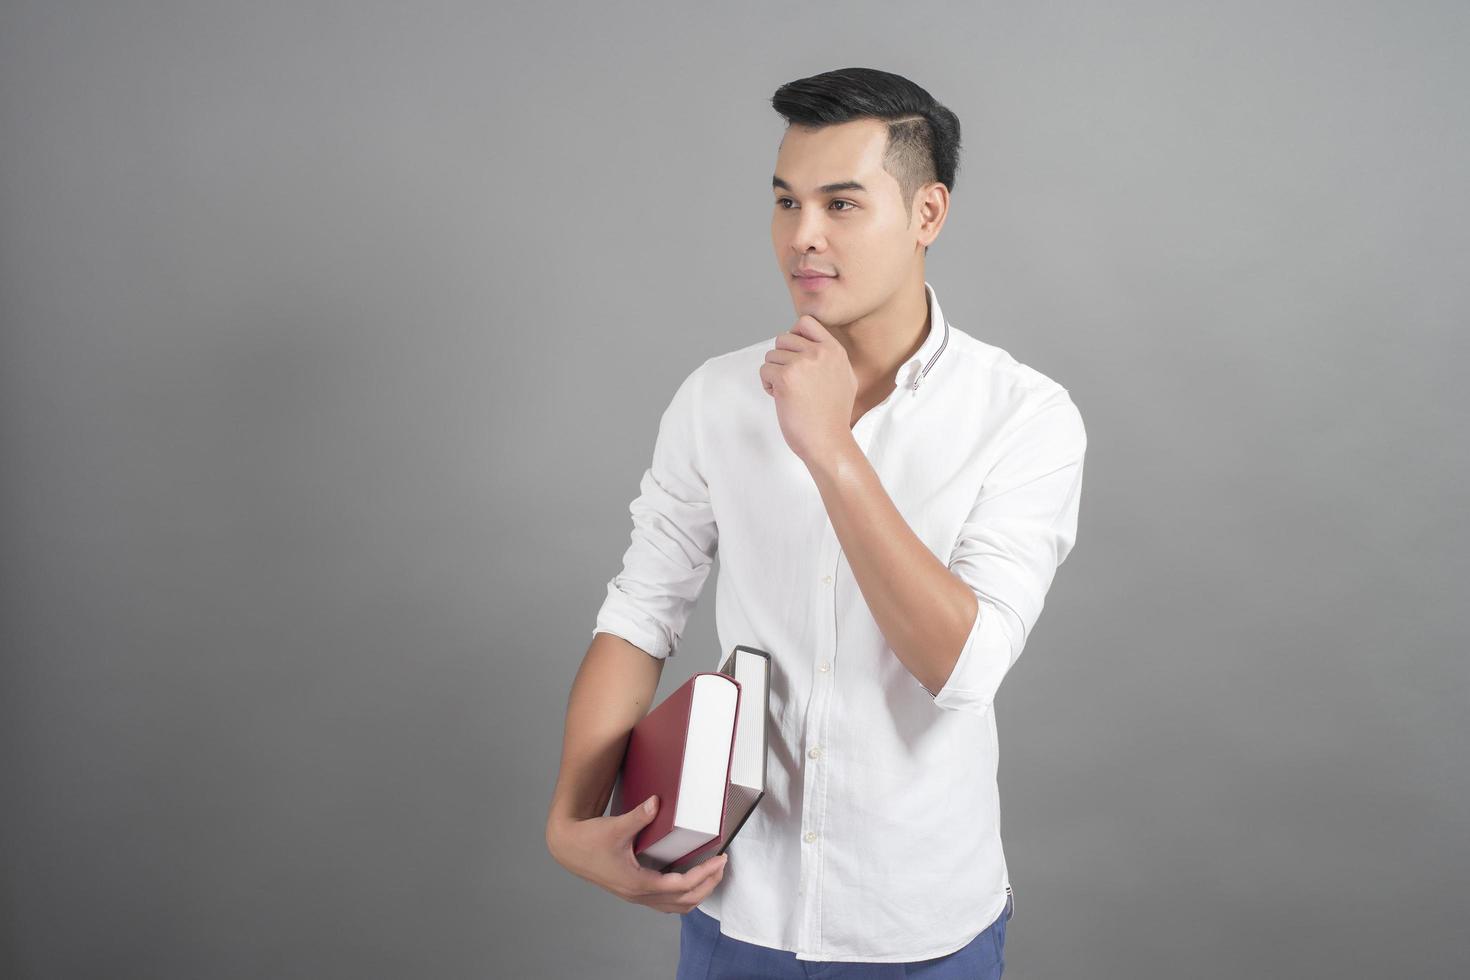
693,878
700,892
655,883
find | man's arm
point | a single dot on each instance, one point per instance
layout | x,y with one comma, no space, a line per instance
611,693
923,611
640,624
959,627
613,690
642,618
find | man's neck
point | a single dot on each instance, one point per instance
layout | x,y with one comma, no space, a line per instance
884,339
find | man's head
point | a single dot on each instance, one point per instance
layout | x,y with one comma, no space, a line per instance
883,132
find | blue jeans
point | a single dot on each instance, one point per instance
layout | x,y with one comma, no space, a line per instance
706,954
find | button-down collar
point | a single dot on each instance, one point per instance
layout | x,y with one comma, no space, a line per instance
916,369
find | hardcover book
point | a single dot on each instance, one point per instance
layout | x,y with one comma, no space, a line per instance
702,751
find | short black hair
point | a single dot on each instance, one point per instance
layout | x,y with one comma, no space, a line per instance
923,136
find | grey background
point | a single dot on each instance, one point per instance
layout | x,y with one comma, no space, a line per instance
335,338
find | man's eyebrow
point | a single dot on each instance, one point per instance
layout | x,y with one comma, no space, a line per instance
845,185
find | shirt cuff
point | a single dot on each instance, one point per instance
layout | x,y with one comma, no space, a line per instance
982,664
642,631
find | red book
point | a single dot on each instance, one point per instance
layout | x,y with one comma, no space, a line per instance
701,751
681,751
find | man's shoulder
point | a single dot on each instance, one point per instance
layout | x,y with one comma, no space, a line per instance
981,363
741,357
738,368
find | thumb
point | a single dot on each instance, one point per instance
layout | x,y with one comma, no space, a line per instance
639,817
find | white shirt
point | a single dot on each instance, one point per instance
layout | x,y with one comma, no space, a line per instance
879,835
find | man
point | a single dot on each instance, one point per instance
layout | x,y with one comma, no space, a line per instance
890,498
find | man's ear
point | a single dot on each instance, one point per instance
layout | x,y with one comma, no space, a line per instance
933,208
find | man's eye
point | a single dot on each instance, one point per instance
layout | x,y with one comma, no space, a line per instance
781,201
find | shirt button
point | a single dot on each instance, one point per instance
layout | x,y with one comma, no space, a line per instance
811,835
827,579
814,752
824,666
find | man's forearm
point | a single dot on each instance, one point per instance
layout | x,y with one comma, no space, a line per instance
922,608
613,690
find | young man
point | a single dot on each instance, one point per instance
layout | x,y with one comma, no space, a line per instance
890,497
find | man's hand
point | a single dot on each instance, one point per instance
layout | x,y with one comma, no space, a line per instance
601,851
809,375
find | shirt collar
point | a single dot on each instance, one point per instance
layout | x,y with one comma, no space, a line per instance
915,369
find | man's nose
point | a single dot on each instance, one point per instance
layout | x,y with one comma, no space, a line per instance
810,233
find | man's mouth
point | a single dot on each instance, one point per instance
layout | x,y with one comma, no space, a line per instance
814,283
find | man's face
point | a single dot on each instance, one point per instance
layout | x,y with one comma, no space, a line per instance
863,235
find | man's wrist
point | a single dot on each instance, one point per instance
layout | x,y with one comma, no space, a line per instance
835,455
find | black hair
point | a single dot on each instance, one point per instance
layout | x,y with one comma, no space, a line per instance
923,136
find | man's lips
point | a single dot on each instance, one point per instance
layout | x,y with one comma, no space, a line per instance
814,283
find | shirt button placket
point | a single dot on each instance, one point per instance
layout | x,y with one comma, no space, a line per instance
814,776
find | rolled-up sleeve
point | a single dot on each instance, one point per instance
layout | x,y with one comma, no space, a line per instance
674,537
1021,528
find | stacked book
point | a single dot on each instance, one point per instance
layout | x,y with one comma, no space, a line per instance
702,751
